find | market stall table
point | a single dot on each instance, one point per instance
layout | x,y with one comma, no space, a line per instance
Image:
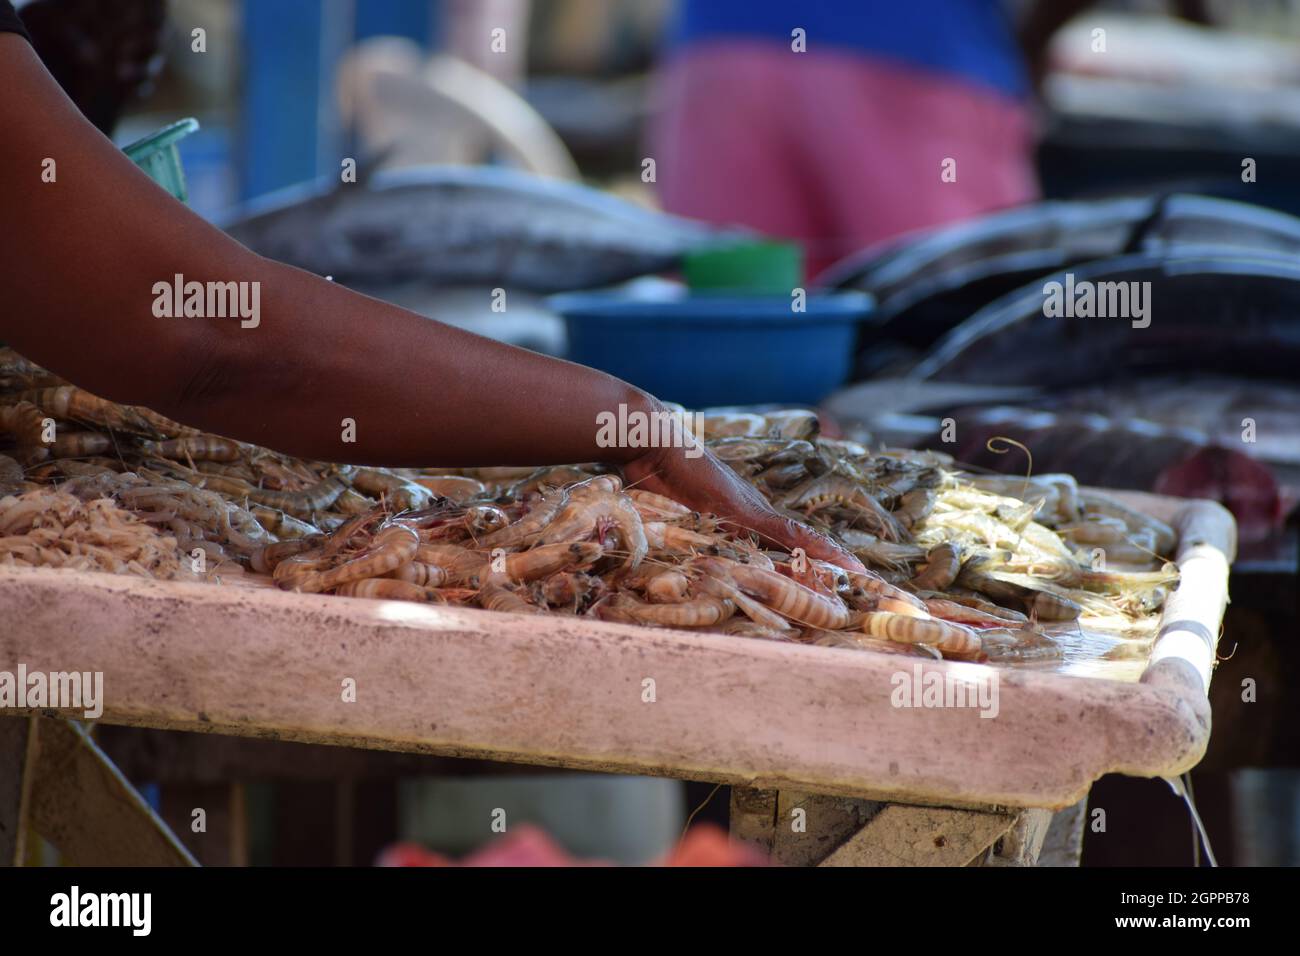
825,769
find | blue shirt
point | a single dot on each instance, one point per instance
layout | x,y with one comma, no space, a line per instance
966,39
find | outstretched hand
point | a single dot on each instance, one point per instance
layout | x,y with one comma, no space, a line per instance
705,484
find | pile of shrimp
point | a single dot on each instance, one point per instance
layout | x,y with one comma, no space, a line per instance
48,528
963,566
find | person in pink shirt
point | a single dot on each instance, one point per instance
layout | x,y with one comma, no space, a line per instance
842,123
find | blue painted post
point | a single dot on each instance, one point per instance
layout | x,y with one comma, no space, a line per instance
289,122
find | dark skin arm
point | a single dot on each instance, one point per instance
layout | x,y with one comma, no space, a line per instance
78,261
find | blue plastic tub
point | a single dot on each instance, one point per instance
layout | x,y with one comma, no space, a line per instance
715,349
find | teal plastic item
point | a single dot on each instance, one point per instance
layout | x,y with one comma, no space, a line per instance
157,155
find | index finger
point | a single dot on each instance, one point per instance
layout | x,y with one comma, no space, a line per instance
790,534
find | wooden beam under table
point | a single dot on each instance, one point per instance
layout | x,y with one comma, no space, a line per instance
802,829
76,799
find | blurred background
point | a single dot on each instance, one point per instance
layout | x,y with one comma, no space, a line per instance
937,155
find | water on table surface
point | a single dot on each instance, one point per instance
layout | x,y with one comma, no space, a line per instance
1092,649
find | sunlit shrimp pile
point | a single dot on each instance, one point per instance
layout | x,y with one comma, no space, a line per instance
961,566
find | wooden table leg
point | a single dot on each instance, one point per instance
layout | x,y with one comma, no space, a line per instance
85,808
801,829
17,758
1063,845
904,835
753,817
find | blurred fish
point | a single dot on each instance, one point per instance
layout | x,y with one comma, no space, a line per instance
929,283
1225,314
1056,232
479,226
1261,417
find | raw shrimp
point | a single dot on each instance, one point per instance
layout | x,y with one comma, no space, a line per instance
787,597
733,424
964,614
75,404
300,504
704,611
571,589
427,575
653,507
744,627
672,538
589,512
943,564
540,561
456,487
953,640
459,563
282,525
1037,603
404,494
1018,645
265,558
392,547
352,502
26,422
915,506
870,592
667,586
495,597
195,448
527,529
857,641
836,491
388,588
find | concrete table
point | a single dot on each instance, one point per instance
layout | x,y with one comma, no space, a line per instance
791,727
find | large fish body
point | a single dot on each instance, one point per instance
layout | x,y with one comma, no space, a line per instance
1230,315
927,283
467,226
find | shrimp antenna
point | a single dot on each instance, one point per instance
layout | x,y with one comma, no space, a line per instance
1029,469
